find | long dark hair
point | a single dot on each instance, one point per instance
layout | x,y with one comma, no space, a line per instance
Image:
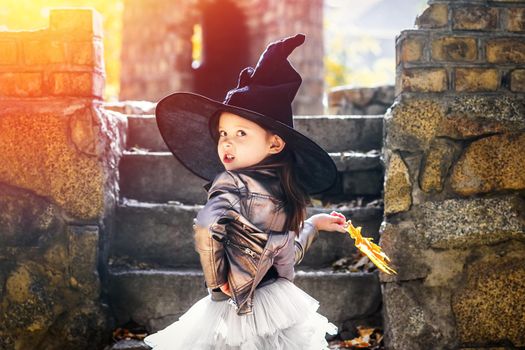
295,197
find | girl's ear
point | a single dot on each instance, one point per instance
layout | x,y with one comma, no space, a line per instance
276,144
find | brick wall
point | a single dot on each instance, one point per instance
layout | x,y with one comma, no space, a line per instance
65,59
58,186
464,46
454,151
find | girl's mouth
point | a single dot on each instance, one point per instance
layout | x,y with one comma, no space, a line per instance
228,158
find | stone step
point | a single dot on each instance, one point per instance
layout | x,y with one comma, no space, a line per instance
157,298
334,133
128,344
160,234
160,177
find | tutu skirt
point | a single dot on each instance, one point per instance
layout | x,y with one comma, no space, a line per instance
284,317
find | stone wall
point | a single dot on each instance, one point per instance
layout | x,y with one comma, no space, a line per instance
344,100
58,154
454,190
157,59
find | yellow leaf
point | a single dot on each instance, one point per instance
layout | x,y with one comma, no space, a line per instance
372,250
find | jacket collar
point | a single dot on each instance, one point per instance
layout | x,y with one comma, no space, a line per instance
272,172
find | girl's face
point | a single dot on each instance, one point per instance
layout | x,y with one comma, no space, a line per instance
245,140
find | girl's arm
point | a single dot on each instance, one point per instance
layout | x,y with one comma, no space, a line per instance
304,240
310,231
210,228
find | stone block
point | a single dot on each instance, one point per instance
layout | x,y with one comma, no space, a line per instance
405,247
43,52
412,47
463,223
490,307
517,80
422,80
39,156
8,48
434,16
80,23
29,298
516,19
86,53
376,109
79,84
454,48
418,317
360,97
82,250
21,84
82,133
411,123
476,115
474,18
476,79
437,161
20,229
493,163
418,314
398,186
506,50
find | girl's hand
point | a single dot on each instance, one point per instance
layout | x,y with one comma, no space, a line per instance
330,222
225,288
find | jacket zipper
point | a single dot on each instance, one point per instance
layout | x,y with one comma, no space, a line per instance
243,248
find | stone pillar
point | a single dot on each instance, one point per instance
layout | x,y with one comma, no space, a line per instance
454,153
58,155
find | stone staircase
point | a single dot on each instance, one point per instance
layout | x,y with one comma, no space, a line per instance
154,271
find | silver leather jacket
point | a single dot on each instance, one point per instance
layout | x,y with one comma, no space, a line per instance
240,234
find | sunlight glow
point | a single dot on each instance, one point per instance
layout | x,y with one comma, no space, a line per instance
196,42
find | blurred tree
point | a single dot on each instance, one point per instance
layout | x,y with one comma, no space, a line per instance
359,39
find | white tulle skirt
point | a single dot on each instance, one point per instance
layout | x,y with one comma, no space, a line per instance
284,317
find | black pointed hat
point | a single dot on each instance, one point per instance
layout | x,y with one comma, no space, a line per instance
264,95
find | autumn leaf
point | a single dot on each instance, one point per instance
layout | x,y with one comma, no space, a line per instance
372,250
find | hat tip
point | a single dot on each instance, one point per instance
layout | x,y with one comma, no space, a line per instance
300,37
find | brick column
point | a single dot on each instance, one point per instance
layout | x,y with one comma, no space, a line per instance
455,158
58,154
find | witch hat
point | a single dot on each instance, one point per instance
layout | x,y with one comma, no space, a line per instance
264,95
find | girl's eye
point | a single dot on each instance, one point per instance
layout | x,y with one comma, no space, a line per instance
240,133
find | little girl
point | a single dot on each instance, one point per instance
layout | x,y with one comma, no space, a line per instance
252,231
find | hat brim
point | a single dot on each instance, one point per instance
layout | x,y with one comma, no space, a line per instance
183,117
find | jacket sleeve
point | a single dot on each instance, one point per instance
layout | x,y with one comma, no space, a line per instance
303,242
210,228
